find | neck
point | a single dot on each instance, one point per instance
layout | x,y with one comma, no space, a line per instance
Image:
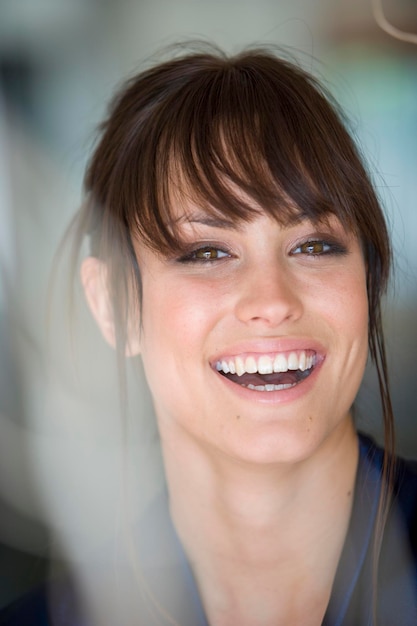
285,521
253,495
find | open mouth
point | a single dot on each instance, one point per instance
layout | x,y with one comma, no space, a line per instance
268,372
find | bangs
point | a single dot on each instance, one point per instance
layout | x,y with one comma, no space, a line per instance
236,137
231,136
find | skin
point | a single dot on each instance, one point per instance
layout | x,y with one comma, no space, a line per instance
259,298
264,512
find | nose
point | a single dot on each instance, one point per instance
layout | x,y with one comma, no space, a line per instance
269,296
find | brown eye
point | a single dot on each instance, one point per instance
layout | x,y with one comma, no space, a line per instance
314,248
205,254
320,247
208,254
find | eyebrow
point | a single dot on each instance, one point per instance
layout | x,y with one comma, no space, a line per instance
219,222
208,220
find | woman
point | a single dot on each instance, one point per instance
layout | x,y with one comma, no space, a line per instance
238,246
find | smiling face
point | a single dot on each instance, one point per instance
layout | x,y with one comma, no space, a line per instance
230,134
254,341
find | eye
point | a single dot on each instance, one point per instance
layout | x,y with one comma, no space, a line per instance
318,247
204,254
312,247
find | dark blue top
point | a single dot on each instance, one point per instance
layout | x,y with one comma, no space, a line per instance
170,582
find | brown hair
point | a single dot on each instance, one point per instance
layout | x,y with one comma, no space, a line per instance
205,125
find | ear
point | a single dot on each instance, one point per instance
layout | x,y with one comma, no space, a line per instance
95,283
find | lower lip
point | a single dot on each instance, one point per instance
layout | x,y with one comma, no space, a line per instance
273,397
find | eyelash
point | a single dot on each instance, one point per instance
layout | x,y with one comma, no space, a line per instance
190,257
331,248
334,248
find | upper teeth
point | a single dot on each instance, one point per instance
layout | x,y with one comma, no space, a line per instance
266,364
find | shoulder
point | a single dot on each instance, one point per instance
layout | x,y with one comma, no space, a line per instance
405,485
405,470
396,539
404,503
404,478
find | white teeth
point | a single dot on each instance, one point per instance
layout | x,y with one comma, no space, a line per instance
240,366
225,367
265,364
280,363
269,387
251,366
293,361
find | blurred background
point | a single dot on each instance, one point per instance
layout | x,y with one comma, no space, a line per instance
63,460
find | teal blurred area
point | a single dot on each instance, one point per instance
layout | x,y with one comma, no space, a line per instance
60,60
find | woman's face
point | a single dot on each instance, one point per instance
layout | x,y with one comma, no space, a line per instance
254,341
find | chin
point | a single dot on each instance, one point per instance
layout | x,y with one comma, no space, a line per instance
268,444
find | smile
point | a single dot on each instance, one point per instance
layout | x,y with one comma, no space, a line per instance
268,372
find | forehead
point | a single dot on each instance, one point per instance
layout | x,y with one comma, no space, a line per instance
221,192
194,216
224,186
225,202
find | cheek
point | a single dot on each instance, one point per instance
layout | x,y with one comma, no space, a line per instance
349,319
177,319
344,300
189,307
353,308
